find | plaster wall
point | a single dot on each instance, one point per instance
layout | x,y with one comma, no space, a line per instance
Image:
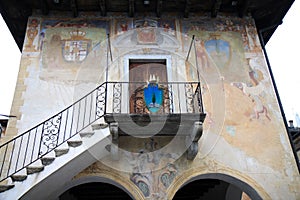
244,134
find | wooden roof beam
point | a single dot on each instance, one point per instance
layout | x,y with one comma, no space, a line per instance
159,8
216,7
44,7
243,7
74,8
102,5
187,8
131,8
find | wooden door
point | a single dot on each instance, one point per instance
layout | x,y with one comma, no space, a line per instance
139,73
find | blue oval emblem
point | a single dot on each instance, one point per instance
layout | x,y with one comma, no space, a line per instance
153,96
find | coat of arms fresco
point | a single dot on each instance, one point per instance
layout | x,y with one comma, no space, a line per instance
66,47
77,47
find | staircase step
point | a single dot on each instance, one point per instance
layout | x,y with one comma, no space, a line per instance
34,169
61,151
4,188
47,160
19,177
99,126
87,134
74,143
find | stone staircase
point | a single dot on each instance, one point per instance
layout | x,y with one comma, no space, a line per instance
68,159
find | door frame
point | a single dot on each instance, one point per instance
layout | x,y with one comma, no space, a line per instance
127,58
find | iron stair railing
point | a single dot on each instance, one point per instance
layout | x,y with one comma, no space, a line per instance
108,98
27,148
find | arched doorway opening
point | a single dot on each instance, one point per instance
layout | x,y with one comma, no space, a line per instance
216,187
93,191
209,189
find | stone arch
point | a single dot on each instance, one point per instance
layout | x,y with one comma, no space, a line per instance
93,179
245,183
105,177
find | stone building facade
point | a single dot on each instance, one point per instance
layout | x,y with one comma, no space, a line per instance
244,141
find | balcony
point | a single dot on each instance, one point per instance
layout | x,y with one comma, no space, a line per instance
181,105
179,111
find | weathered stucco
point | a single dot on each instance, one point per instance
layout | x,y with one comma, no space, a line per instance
244,135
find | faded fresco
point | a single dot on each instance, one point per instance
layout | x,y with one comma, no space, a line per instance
124,25
229,56
31,43
153,171
62,60
67,45
149,166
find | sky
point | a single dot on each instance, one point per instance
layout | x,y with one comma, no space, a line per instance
283,54
282,50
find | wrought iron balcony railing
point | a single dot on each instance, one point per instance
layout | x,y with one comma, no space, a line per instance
177,98
108,98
